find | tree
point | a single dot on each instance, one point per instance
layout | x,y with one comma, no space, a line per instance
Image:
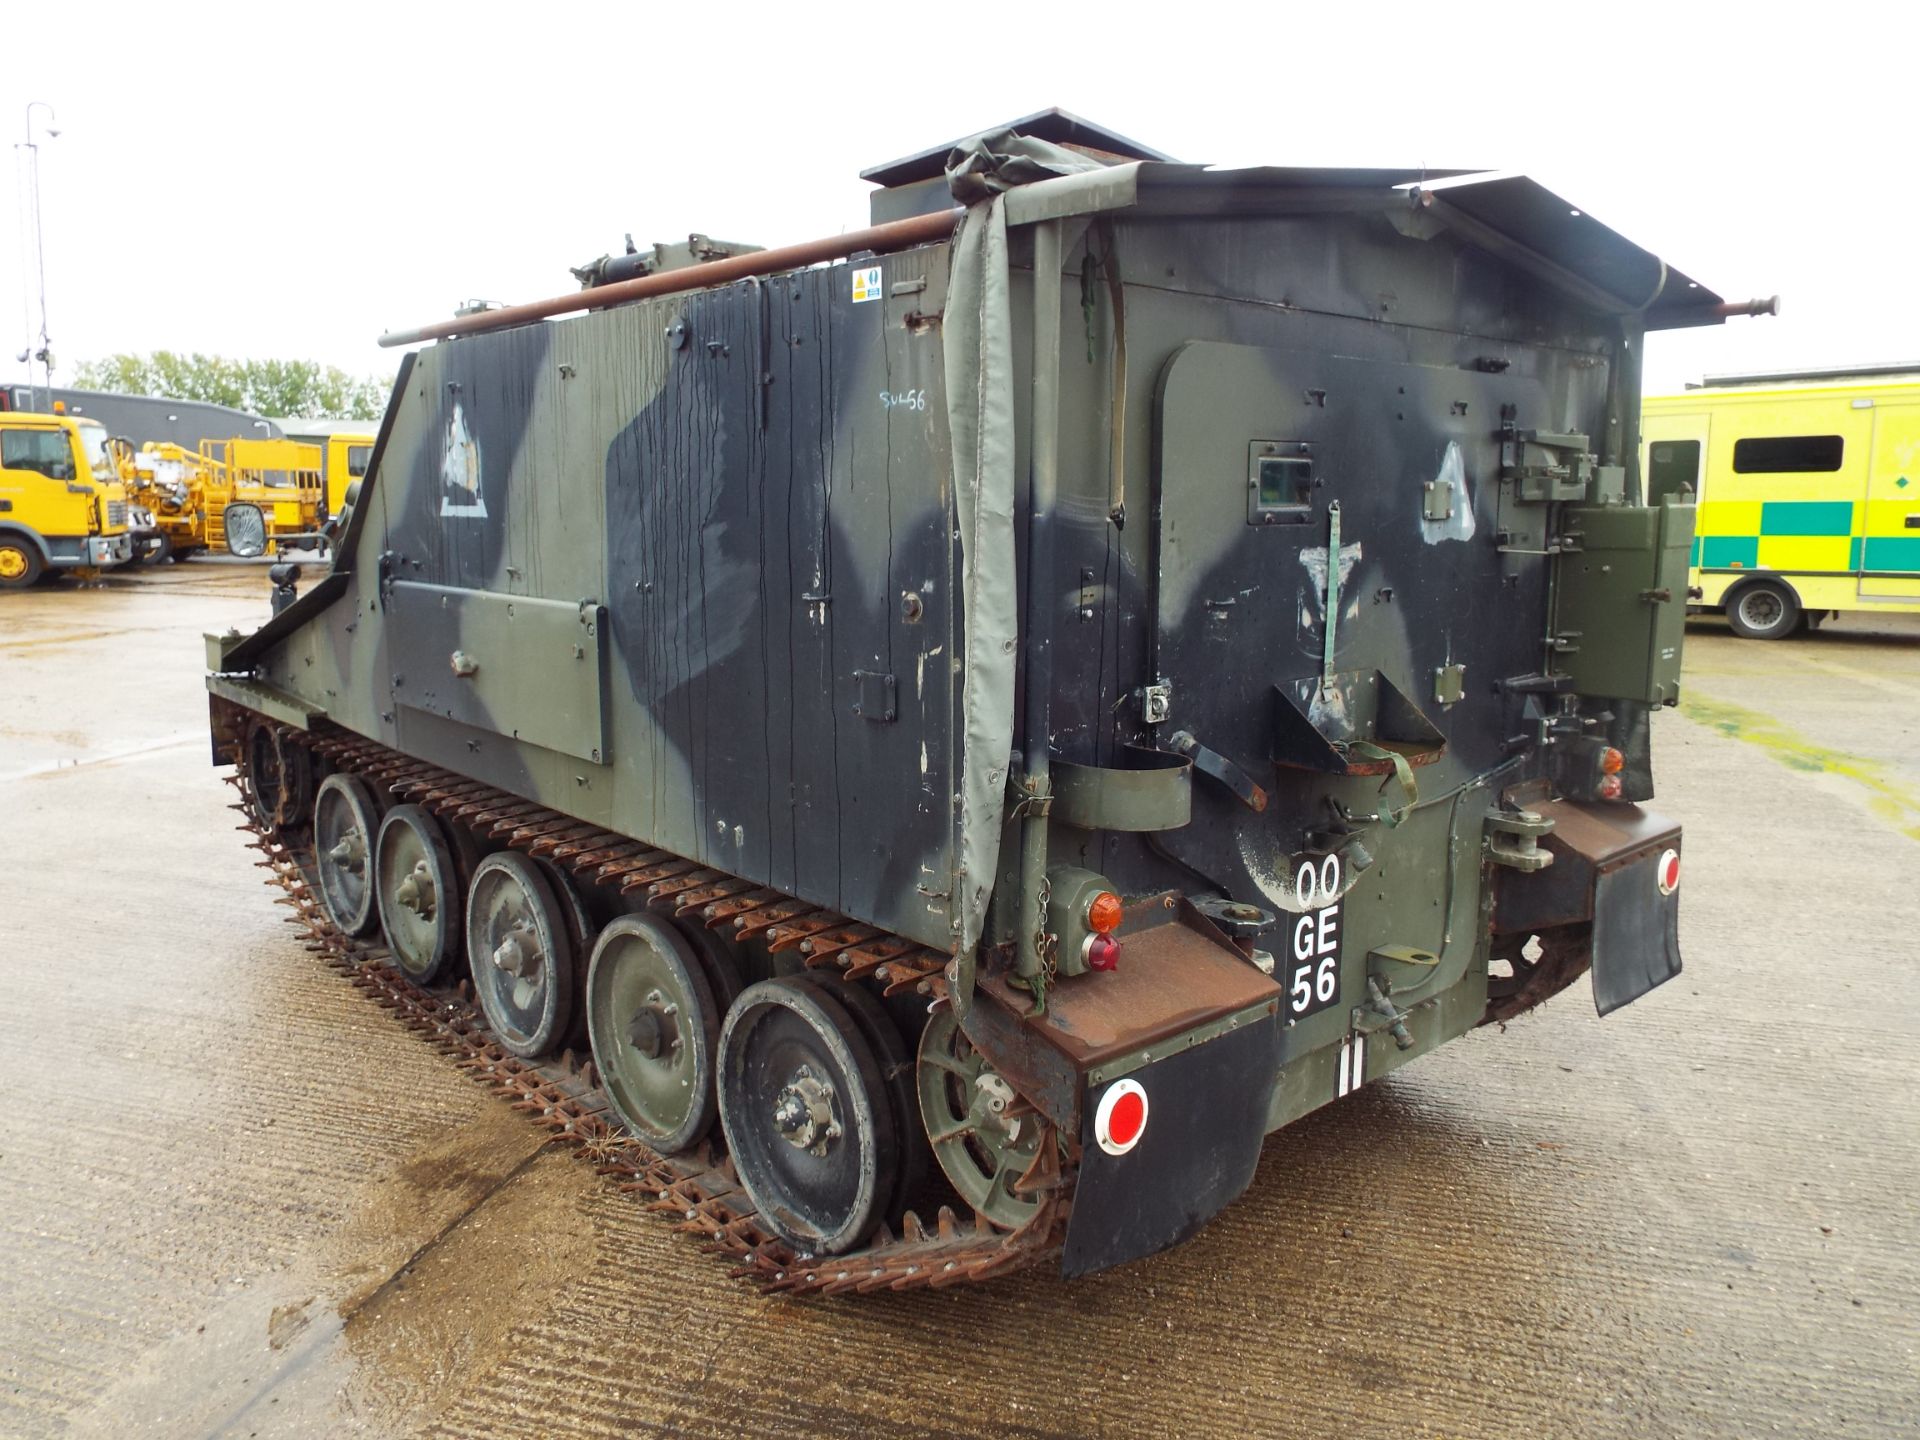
299,388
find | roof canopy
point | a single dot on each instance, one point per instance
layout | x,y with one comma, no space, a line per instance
1513,217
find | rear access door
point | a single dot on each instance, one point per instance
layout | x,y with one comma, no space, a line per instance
1439,584
1890,546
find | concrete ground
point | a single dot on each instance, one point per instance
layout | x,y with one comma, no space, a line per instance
236,1199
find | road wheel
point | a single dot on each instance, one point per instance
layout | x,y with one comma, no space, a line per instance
419,893
157,549
20,563
655,1027
808,1116
1764,610
345,822
521,954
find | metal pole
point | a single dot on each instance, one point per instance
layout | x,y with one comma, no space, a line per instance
898,235
1037,741
44,352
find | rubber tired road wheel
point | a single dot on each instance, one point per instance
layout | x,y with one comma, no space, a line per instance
20,563
520,953
1764,610
896,1059
345,821
419,893
808,1119
655,1029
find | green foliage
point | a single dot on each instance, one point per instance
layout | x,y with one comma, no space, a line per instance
298,388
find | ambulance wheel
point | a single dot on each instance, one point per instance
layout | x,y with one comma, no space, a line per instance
345,822
20,563
521,954
655,1026
808,1117
1764,610
419,893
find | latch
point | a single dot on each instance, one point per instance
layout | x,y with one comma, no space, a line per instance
1544,466
1513,839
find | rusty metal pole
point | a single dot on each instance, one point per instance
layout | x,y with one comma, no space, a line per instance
897,235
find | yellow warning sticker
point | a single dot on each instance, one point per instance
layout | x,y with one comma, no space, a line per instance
866,284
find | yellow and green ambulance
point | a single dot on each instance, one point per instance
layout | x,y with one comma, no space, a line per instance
1808,488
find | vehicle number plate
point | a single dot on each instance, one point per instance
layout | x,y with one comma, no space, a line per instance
1313,952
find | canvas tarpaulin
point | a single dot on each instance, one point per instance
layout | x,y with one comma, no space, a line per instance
977,334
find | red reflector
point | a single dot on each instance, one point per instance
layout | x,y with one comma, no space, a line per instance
1610,788
1121,1118
1102,953
1128,1119
1669,872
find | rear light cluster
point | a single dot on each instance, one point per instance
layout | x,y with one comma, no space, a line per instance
1612,762
1102,951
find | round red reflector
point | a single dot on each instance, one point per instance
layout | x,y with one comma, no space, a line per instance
1102,953
1611,787
1669,872
1121,1118
1103,915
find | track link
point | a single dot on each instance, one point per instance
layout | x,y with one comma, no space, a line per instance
699,1188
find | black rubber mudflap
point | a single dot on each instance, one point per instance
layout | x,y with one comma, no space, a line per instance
1206,1116
1636,932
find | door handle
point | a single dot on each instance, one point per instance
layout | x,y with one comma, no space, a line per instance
1913,522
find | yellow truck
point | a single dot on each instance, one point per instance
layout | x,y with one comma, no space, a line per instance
243,497
346,459
1808,491
57,512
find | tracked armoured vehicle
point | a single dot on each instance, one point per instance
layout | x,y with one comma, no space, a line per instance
989,715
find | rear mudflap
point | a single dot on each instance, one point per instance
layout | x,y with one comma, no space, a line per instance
1206,1115
1189,1023
1636,926
1616,869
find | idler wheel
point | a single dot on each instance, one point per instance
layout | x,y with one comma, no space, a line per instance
346,821
520,953
279,778
655,1029
418,893
808,1119
983,1135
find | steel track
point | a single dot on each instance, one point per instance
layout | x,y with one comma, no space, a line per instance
563,1095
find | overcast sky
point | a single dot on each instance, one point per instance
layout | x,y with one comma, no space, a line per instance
239,183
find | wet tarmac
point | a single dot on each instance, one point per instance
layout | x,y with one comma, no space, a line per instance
236,1199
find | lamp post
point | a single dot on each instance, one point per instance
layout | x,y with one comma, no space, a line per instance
39,347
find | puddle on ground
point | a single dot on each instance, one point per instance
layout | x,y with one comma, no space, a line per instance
415,1294
1892,801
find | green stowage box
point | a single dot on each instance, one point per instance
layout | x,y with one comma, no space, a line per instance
1622,602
